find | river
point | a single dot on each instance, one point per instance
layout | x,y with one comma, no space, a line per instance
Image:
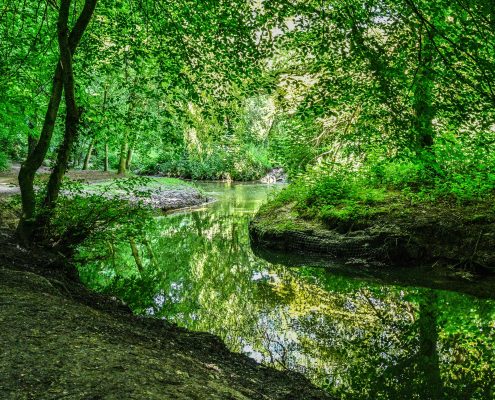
355,338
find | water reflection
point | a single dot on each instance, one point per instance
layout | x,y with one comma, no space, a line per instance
360,340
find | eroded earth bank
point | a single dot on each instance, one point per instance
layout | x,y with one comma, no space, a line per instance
60,340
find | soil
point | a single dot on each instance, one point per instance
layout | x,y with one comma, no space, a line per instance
59,340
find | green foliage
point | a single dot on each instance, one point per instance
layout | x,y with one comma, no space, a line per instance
94,214
242,164
460,168
4,162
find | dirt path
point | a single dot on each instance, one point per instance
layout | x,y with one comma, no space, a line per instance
61,341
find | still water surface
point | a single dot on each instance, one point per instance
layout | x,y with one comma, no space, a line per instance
357,339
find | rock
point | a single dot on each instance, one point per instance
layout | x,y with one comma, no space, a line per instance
276,175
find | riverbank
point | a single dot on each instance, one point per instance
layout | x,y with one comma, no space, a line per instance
393,232
59,339
164,194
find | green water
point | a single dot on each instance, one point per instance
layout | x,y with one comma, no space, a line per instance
357,339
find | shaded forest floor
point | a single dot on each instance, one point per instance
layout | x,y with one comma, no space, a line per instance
60,340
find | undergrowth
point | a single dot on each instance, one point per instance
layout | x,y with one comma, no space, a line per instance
331,192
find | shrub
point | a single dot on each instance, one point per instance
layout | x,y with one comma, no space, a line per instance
4,162
90,216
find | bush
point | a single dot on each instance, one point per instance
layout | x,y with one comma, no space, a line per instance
401,174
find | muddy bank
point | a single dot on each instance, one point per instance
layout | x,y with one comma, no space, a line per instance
460,237
166,199
61,341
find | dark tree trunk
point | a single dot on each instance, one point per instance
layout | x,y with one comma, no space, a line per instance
428,358
71,118
35,158
423,95
34,161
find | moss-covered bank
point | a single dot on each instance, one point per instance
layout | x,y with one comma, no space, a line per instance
61,341
393,232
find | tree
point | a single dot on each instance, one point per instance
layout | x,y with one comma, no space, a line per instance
62,78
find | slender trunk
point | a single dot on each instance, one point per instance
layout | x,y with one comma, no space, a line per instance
103,110
78,159
71,118
88,154
135,254
151,254
428,350
105,162
123,154
35,158
124,147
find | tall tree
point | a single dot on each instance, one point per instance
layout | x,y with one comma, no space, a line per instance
67,43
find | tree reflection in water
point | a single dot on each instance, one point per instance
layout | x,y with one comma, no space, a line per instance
358,339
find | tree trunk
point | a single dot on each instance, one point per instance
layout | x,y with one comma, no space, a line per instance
71,119
35,158
128,160
151,254
135,254
105,162
428,351
78,157
123,153
423,95
88,154
103,109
